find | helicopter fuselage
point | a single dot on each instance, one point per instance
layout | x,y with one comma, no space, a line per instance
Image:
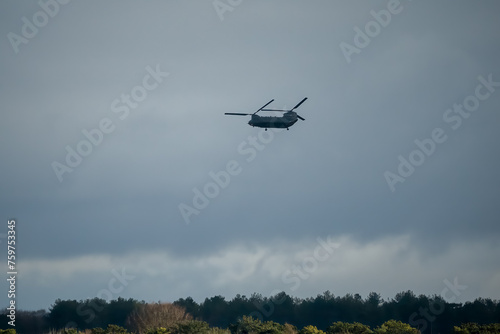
288,119
284,122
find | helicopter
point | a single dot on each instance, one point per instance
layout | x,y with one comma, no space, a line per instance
288,119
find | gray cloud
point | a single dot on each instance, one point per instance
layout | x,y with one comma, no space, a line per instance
323,177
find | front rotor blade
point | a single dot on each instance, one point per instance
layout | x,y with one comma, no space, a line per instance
235,113
305,98
265,105
302,118
274,110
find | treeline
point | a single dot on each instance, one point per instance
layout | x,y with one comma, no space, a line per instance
421,312
426,314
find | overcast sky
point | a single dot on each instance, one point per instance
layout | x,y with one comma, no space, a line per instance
113,125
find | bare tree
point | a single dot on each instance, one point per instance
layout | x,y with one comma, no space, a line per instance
151,316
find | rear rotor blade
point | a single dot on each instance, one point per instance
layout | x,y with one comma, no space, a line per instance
235,113
265,105
302,118
305,98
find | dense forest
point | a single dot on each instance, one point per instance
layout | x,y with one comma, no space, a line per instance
420,313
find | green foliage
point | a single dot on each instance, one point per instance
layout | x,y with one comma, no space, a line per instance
191,326
246,325
115,329
289,329
159,330
271,327
8,331
348,328
473,328
459,330
491,328
97,330
396,327
111,329
216,330
311,330
249,325
70,331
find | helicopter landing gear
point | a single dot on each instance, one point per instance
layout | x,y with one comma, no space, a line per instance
266,129
287,129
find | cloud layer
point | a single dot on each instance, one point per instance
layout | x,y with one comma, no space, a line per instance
119,206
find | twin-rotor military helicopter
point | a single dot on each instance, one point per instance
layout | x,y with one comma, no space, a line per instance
288,119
